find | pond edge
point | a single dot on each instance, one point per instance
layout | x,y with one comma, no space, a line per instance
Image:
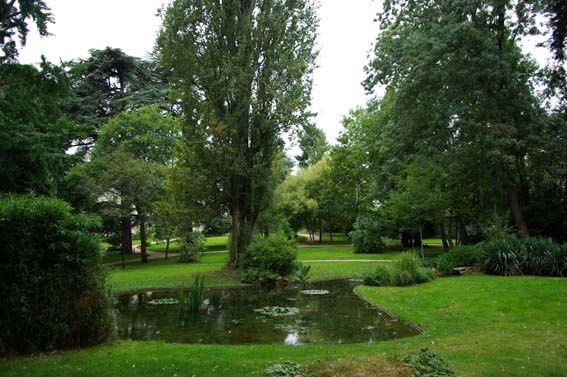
389,313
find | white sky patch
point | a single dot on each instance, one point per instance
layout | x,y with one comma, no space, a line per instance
346,36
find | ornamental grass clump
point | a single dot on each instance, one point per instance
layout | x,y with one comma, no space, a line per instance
407,270
530,256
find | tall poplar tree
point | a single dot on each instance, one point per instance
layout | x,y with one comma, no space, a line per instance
242,69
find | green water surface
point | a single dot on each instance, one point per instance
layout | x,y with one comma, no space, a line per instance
230,316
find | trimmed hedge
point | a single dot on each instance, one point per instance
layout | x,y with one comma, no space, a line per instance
51,279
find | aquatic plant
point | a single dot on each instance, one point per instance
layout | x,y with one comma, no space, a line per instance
163,301
277,311
315,292
193,301
301,274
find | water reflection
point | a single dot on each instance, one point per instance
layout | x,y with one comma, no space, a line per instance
235,316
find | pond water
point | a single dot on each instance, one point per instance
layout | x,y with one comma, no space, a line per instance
326,312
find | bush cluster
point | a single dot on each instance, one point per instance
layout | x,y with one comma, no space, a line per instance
429,364
366,236
408,270
51,279
192,247
460,256
284,369
530,256
268,258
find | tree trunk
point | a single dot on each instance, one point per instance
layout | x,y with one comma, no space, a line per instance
166,247
443,236
320,229
126,235
330,227
241,237
143,245
421,239
516,209
463,236
406,239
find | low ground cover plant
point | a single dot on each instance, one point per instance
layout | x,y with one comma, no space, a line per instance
268,259
407,270
531,256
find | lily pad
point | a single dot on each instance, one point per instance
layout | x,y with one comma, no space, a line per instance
277,311
163,301
315,292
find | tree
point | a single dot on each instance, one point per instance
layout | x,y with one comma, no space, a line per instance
313,145
243,70
109,82
419,197
126,174
14,16
34,131
462,87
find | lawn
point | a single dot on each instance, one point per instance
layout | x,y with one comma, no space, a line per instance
161,273
483,325
213,243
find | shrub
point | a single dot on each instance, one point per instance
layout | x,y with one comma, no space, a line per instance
268,258
429,364
366,236
530,256
461,256
52,281
501,256
284,369
381,276
407,270
556,261
192,246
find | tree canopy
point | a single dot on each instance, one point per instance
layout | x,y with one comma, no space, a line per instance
243,72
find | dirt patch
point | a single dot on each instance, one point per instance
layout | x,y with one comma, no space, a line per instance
374,366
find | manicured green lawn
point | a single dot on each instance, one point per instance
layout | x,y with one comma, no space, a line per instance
483,325
338,238
487,325
214,243
162,273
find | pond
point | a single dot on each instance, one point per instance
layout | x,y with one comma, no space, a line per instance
325,312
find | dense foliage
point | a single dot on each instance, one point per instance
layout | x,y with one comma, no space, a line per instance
429,364
34,131
532,256
242,72
367,236
460,256
52,284
407,270
268,259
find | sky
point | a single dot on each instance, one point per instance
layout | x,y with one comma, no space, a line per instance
346,35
